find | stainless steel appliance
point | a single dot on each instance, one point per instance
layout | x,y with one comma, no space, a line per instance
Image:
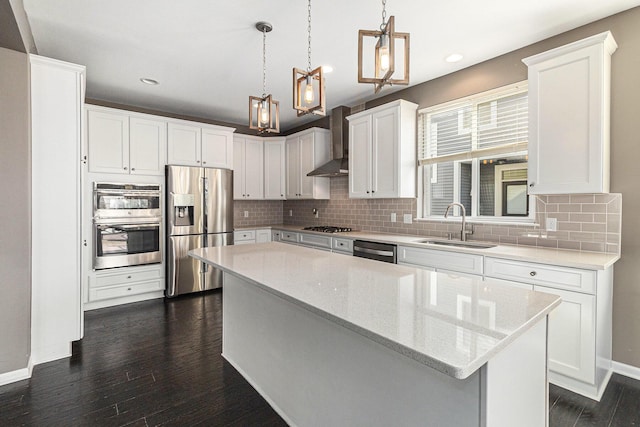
384,252
199,214
127,226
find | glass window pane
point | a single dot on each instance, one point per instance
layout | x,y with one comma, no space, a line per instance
440,187
500,186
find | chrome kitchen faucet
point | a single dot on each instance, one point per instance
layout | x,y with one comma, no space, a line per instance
463,231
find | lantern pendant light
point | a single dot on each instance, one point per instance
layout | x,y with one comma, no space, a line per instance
308,86
264,112
385,54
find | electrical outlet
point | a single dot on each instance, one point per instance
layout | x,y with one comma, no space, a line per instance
393,217
552,224
408,218
290,212
246,214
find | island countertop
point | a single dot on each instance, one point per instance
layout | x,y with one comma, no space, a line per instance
450,323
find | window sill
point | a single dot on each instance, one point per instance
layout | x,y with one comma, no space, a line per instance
529,222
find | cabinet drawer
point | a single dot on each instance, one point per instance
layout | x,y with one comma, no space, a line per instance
315,240
121,278
288,236
572,279
509,283
454,261
244,235
108,292
275,235
342,245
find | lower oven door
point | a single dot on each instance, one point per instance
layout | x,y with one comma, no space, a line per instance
122,245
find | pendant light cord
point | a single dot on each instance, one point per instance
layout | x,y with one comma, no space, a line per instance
264,62
384,15
309,38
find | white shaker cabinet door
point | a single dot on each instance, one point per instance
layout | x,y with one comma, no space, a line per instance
184,144
254,169
293,168
108,139
274,169
360,157
572,335
217,148
307,164
384,154
147,146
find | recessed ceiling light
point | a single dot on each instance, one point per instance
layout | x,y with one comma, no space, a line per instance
454,57
327,68
149,81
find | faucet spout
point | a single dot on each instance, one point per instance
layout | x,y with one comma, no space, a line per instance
463,231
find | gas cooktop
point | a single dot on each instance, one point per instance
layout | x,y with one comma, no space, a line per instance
328,229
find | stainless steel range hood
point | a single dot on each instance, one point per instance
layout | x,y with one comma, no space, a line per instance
339,166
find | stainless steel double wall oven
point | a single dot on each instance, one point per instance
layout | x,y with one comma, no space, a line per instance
127,224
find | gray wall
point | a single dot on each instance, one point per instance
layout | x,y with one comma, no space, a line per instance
625,146
15,212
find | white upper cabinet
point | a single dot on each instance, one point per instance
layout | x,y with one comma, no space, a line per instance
194,144
147,146
305,151
248,168
108,138
217,148
382,151
119,142
184,145
569,91
274,169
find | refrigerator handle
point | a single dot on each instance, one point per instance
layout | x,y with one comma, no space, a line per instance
205,210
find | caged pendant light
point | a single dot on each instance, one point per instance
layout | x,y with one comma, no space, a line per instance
308,86
385,53
264,112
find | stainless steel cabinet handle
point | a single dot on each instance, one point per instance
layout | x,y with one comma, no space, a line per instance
533,273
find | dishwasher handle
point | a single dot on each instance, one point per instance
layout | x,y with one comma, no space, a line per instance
373,251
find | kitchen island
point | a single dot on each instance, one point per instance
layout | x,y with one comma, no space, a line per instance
328,339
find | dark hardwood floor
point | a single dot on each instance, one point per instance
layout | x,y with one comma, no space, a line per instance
158,363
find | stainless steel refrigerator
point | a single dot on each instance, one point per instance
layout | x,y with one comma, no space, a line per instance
199,214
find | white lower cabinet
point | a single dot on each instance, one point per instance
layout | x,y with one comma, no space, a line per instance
244,237
263,236
579,329
342,246
572,335
124,285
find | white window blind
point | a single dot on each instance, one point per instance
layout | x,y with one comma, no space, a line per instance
493,124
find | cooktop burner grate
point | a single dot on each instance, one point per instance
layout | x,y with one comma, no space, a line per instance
328,229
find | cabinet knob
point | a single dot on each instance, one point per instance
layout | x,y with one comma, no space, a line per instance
197,161
128,277
367,191
532,184
132,169
204,163
125,168
128,289
282,195
533,273
248,195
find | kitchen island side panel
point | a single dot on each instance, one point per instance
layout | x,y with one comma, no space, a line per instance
317,373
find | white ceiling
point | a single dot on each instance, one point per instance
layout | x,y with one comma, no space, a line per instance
207,54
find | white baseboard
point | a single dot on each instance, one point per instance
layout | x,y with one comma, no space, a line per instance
626,370
17,375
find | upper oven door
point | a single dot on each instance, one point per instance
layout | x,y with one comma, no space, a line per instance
126,201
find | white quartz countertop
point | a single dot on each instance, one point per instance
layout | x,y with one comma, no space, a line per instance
451,324
562,257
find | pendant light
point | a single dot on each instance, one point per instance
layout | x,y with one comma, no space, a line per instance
308,86
264,112
385,53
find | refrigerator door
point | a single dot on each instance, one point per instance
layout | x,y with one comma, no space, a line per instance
218,196
184,200
184,273
213,276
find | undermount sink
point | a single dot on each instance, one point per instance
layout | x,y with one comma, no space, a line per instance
458,244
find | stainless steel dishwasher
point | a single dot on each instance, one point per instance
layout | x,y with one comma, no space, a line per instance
384,252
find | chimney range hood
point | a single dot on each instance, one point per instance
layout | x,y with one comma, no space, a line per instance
339,166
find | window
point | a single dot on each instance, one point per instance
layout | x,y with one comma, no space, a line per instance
473,151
